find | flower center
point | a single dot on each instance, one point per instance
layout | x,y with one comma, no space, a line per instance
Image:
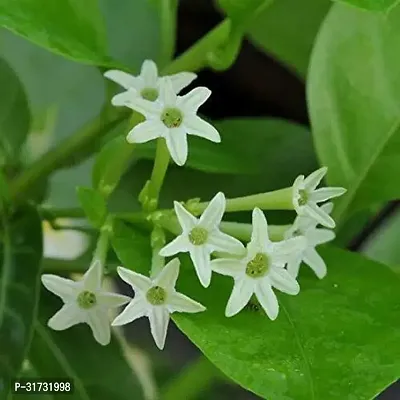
156,295
86,299
303,197
258,266
198,236
172,117
149,94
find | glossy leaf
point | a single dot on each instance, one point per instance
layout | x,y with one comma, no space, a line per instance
322,344
19,291
287,29
14,114
71,28
99,372
355,104
372,5
314,349
94,205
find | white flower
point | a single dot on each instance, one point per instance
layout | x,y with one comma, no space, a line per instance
306,197
171,117
307,228
200,237
147,84
156,299
85,302
259,270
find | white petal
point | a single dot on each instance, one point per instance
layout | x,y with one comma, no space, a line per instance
315,262
159,319
137,308
320,236
62,287
313,211
67,316
167,277
186,220
177,145
168,96
314,179
286,248
181,303
149,73
201,261
178,245
212,215
198,127
146,131
298,185
220,241
259,236
122,78
112,300
131,99
327,207
267,299
191,101
137,281
181,80
293,266
240,296
228,267
93,276
327,193
100,325
283,281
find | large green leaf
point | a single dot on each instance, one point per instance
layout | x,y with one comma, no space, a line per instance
72,28
287,29
93,204
372,5
19,291
354,101
14,114
99,372
322,344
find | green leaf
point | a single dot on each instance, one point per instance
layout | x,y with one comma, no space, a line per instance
71,28
322,344
287,29
19,290
260,144
354,100
372,5
110,165
14,114
99,372
94,205
239,10
314,349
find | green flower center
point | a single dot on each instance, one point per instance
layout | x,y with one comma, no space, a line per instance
156,296
258,266
149,94
86,300
172,117
303,197
198,236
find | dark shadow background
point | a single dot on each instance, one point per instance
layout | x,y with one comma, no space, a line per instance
237,92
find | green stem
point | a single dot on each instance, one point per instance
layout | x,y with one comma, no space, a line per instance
243,231
158,174
58,266
192,381
276,200
103,243
157,243
168,9
49,213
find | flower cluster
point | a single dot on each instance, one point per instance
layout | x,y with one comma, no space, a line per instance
258,269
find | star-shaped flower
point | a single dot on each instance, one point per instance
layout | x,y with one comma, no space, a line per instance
307,228
306,197
171,117
200,237
261,269
147,84
156,299
85,302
